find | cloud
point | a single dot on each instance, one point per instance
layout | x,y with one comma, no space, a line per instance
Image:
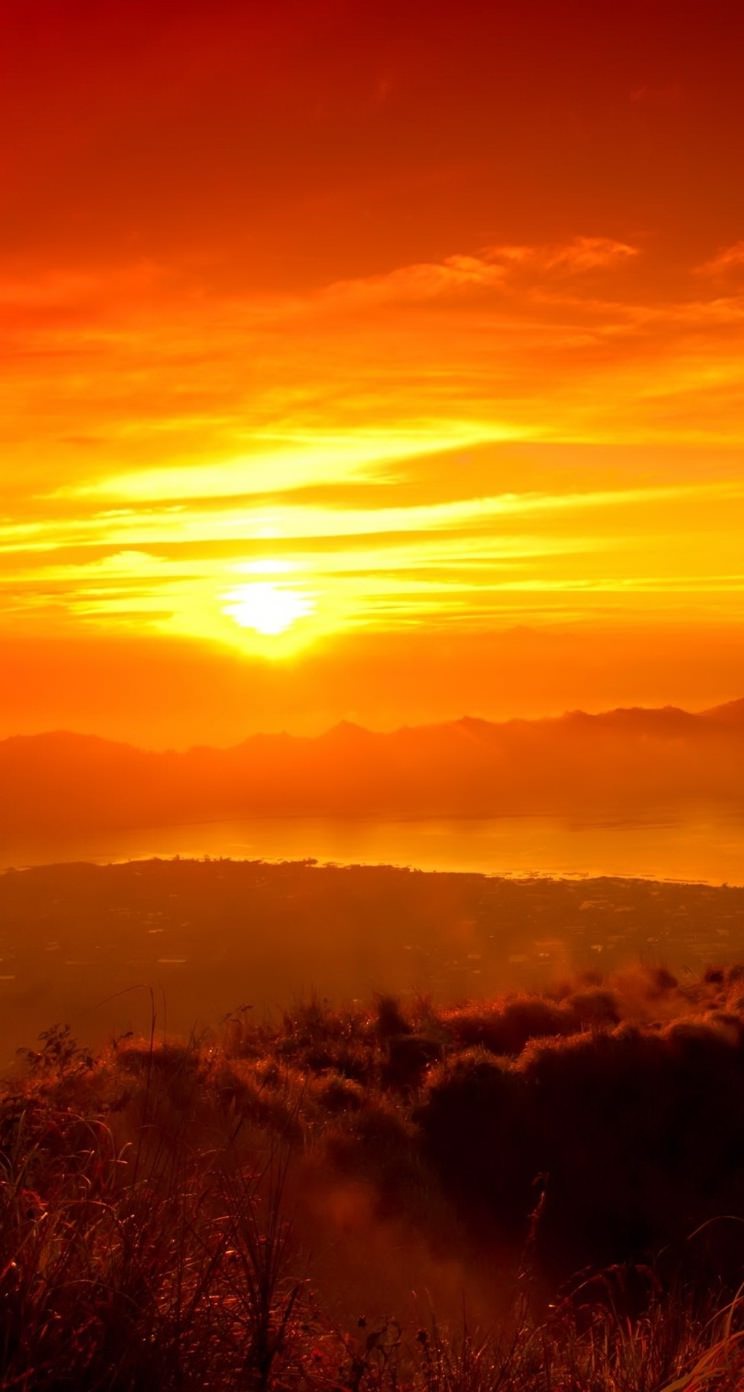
730,258
491,268
577,255
387,434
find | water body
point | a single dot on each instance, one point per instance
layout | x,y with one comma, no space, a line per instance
703,845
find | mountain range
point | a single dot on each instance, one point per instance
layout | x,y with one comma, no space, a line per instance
468,767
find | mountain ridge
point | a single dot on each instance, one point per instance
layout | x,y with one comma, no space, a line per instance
729,712
618,760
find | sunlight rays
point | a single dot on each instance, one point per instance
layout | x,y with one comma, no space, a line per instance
267,608
274,579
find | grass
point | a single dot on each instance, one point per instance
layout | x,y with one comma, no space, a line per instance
187,1215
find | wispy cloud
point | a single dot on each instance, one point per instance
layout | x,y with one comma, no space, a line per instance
388,436
730,258
492,268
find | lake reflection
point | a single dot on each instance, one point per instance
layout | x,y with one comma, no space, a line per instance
702,845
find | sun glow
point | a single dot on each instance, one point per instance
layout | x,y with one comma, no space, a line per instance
267,608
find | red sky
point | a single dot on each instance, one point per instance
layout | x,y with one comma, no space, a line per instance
368,360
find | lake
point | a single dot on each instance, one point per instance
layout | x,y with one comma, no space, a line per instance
701,845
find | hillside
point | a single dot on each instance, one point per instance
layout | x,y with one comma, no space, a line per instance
524,1194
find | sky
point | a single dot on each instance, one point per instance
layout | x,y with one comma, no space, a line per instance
375,362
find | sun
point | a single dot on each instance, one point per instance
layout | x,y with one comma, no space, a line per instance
267,608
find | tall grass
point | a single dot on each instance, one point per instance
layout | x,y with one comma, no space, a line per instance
153,1206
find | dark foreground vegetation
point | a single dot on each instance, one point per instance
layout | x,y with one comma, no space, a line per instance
537,1194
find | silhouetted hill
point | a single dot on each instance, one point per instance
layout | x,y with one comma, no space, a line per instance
669,722
469,767
732,713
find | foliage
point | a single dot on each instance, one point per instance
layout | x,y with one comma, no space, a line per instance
162,1205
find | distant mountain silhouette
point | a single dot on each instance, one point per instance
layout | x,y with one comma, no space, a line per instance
732,713
625,759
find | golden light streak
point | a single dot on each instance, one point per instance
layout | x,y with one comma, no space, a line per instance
291,462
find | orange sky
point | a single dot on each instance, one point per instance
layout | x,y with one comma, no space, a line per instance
373,361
